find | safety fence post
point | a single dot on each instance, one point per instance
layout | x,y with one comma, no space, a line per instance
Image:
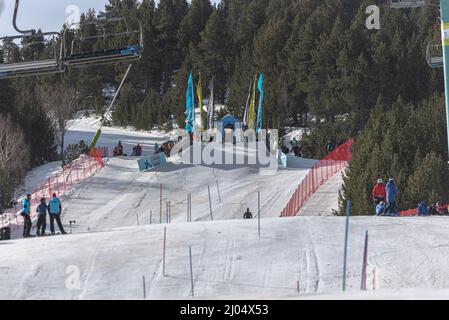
77,173
49,187
313,179
84,170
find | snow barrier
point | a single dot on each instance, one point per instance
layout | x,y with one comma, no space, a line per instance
322,172
61,183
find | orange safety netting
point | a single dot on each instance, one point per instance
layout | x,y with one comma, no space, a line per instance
322,172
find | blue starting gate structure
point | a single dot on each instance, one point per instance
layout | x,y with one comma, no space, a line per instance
230,122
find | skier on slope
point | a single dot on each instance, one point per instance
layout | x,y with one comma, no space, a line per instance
41,210
55,210
26,212
248,215
392,195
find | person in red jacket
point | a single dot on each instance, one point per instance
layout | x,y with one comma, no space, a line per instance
379,192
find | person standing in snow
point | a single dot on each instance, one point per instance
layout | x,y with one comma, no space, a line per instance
55,210
423,211
248,215
392,196
296,147
120,148
138,150
26,212
379,192
41,210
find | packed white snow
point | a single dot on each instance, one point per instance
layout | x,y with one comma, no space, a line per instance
293,258
117,238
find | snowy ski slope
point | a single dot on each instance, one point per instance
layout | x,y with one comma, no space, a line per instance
230,261
114,245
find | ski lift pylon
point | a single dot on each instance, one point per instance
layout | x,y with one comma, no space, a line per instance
22,68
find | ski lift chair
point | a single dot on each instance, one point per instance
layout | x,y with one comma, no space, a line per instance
14,69
11,68
434,56
130,47
403,4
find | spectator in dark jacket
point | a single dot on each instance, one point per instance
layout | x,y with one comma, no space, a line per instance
423,211
41,210
392,196
248,214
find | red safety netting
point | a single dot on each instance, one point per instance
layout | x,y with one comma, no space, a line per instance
322,172
61,183
415,212
409,213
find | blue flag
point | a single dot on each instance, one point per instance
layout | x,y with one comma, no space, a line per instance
260,111
190,106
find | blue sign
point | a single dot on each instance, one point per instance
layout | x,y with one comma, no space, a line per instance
282,159
149,163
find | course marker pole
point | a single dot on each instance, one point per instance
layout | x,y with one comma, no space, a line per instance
348,210
191,270
364,263
258,211
210,205
165,248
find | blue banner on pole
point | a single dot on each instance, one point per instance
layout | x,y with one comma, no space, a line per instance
150,163
260,111
190,106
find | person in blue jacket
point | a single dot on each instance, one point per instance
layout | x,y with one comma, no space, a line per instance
423,211
392,196
55,210
41,210
26,214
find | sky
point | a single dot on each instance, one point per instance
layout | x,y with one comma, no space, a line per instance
48,15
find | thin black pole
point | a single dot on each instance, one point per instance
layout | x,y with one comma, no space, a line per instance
218,189
210,205
364,263
144,289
